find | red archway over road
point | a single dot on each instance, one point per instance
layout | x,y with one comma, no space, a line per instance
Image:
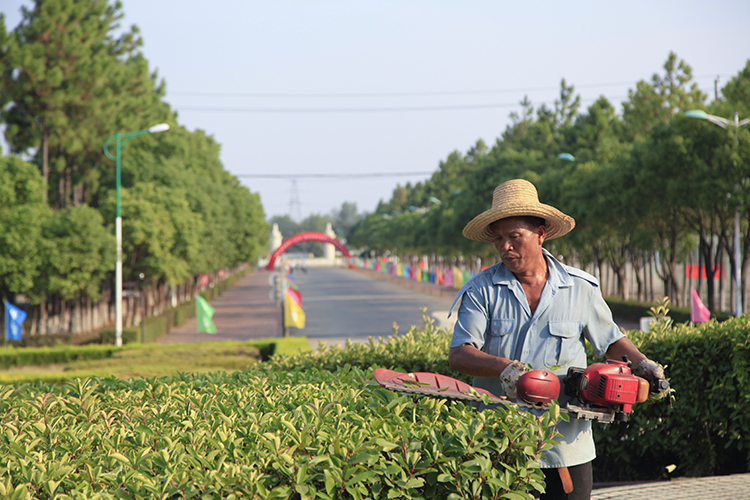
299,238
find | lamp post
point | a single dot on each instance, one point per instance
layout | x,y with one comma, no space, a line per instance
724,123
121,140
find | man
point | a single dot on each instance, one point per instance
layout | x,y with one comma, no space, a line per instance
532,310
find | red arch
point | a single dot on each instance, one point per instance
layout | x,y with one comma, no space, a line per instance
299,238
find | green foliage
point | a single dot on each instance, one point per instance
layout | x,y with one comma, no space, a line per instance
41,356
70,78
423,349
303,434
79,253
22,213
704,429
60,363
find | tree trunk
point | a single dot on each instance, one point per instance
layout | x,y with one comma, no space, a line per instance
45,162
706,247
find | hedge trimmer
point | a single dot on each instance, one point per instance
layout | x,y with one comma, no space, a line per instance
607,391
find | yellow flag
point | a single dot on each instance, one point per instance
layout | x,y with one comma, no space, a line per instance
293,313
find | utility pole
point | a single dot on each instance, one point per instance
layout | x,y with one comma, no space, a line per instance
295,210
716,88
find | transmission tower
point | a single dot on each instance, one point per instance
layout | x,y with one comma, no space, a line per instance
295,210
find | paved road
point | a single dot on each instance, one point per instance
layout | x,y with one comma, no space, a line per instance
342,304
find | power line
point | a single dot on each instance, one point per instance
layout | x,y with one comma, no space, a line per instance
400,94
362,110
329,176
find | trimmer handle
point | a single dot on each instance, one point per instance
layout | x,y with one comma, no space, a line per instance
659,385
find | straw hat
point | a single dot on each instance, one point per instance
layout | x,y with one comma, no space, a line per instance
518,198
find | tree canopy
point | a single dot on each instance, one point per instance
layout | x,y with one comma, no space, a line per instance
646,183
70,77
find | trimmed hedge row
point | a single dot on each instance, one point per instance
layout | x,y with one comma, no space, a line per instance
705,429
42,356
302,434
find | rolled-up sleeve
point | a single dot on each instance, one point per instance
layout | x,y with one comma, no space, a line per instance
471,321
601,329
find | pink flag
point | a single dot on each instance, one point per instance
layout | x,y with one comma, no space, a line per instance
698,312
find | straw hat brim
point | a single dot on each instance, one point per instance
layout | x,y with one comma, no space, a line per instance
557,223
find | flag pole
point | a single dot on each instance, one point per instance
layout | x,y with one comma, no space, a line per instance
5,312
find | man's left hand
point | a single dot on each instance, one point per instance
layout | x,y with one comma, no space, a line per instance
510,375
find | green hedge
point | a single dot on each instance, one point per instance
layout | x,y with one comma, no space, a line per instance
423,349
705,430
299,434
42,356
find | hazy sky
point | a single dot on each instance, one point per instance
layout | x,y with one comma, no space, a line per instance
361,87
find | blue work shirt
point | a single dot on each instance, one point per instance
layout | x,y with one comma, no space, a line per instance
495,317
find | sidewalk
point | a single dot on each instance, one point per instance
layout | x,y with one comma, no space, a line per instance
244,312
736,486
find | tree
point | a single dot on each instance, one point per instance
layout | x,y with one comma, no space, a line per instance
71,84
22,214
656,102
80,252
344,219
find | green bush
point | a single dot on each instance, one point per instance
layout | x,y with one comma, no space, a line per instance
423,349
41,356
300,434
705,430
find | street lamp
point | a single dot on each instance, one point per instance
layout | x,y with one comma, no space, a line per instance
121,140
724,123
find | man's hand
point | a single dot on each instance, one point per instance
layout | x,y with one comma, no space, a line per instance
653,371
649,369
510,375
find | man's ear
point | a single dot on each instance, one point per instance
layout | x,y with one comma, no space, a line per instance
541,231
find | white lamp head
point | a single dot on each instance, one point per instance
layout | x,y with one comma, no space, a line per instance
162,127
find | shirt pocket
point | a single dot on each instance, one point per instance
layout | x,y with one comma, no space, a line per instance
500,339
564,343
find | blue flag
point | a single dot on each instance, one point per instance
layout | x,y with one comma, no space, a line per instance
13,319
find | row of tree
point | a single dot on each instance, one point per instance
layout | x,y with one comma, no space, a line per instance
69,79
646,185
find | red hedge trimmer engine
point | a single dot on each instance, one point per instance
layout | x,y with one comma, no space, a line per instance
608,387
607,384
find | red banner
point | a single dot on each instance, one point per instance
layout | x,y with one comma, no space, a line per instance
692,272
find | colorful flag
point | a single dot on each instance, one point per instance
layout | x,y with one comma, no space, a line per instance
698,312
296,295
293,313
14,317
203,314
290,283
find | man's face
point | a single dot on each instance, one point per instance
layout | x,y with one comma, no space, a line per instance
518,243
